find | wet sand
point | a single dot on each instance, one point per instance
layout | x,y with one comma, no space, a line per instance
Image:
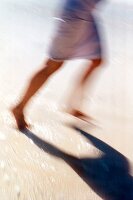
62,158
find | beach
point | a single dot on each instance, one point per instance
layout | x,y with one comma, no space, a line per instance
47,163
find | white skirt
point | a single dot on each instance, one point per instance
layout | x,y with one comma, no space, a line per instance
75,39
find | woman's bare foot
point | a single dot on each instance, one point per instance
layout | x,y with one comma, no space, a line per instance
19,117
80,115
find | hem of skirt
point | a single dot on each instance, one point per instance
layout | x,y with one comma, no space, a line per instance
76,58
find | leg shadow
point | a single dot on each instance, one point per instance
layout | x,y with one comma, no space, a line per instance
108,175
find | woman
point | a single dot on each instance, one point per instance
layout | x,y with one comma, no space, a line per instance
76,37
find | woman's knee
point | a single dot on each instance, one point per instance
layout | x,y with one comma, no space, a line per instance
97,62
50,67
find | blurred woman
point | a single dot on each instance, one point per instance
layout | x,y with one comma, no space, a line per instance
76,37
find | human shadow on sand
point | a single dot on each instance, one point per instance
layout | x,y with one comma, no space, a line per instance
108,175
